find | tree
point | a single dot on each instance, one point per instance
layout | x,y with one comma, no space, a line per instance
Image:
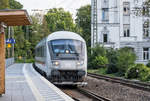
4,4
58,20
83,21
13,4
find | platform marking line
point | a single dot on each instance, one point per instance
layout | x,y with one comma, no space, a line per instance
58,91
32,86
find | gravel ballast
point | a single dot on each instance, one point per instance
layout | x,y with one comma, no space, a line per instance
116,91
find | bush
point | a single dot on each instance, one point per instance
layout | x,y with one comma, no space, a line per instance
138,71
100,61
125,59
112,59
148,64
30,60
97,57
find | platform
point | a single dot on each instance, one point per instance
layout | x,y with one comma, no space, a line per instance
23,83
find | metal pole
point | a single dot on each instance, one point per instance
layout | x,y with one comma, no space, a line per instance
13,44
9,38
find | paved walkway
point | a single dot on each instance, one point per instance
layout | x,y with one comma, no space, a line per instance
23,83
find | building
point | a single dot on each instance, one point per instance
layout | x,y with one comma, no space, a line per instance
116,25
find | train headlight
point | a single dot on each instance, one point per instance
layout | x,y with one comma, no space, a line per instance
80,63
55,63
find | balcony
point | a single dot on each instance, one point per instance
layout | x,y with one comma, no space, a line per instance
107,44
127,39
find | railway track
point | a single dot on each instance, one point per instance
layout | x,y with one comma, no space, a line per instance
130,83
80,94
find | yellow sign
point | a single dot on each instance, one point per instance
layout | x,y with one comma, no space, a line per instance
9,45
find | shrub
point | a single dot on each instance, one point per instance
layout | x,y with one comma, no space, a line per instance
97,57
132,72
125,59
148,64
112,59
100,61
138,71
30,60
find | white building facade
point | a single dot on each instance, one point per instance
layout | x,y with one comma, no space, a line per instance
114,24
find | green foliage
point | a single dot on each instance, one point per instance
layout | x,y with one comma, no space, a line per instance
112,59
116,61
24,60
138,71
59,20
148,64
100,61
98,57
125,59
13,4
83,22
98,71
4,4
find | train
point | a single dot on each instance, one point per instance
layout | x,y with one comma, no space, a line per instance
62,58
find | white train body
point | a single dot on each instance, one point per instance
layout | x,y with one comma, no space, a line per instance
62,57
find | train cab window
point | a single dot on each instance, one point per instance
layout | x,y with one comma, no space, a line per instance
66,48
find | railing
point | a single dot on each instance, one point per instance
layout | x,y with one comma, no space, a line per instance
127,39
9,62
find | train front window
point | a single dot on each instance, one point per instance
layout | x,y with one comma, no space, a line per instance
66,48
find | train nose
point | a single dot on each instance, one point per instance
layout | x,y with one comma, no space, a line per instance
81,73
55,73
71,65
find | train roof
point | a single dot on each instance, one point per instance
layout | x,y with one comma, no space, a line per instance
61,35
64,35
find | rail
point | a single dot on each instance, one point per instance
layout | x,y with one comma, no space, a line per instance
130,83
96,97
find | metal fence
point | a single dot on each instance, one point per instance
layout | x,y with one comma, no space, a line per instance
9,62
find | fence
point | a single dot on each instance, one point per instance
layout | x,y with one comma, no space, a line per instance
9,62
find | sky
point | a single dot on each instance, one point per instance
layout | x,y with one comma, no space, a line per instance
69,5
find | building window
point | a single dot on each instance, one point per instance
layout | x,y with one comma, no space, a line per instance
126,30
136,1
105,14
105,38
105,3
145,53
126,8
146,29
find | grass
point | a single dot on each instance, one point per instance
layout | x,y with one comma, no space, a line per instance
24,61
102,71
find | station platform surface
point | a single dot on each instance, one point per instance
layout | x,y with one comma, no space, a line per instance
23,83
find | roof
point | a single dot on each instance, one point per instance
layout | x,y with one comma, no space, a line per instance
61,35
65,35
15,17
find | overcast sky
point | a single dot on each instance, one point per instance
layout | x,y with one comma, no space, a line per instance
70,5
